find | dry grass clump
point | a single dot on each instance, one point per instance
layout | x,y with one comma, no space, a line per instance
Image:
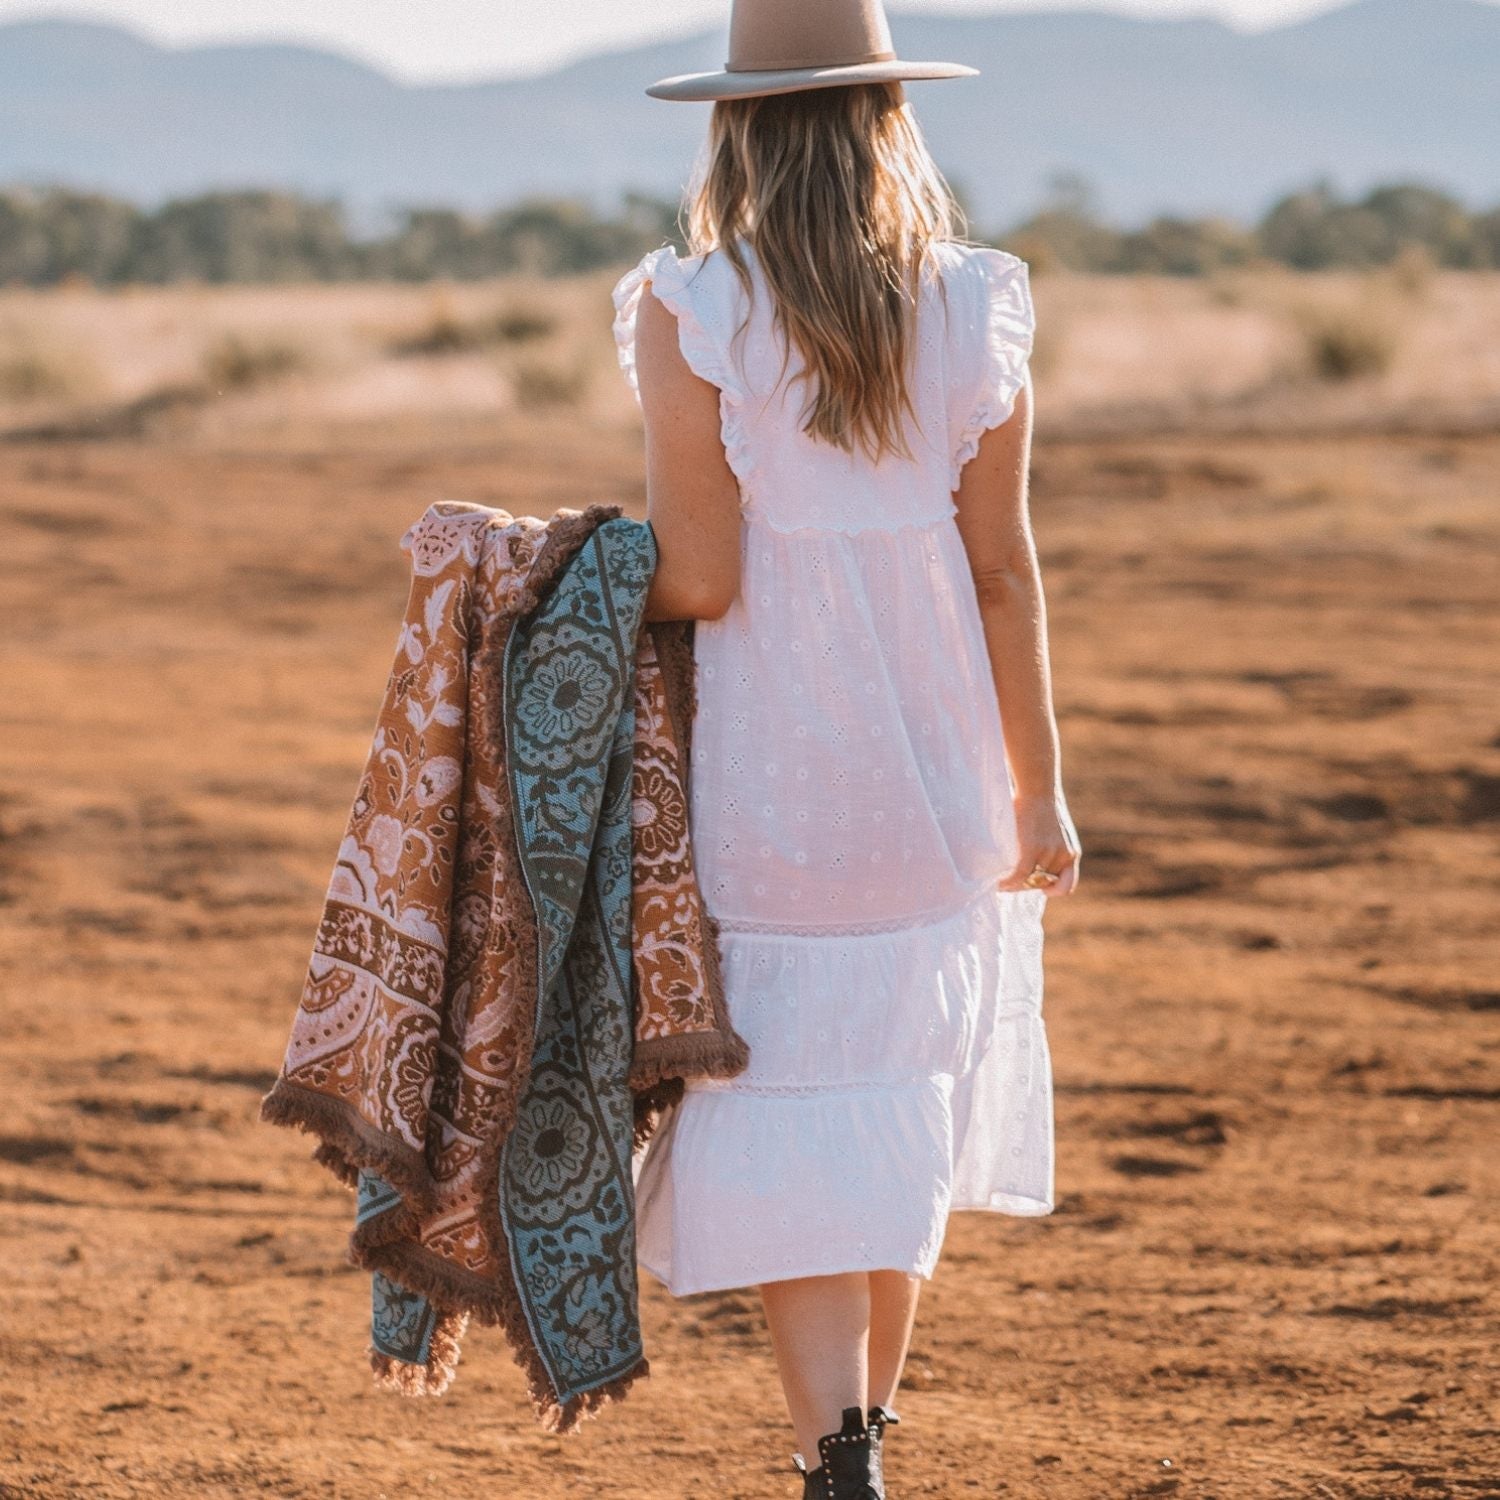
1254,287
32,371
445,332
1347,343
1352,331
539,384
31,377
1345,327
234,362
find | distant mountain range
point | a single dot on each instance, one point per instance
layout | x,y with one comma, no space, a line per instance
1161,116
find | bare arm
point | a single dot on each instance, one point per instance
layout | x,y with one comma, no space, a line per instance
692,496
994,521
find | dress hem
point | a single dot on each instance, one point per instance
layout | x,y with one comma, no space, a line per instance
1013,1205
840,1268
1022,1208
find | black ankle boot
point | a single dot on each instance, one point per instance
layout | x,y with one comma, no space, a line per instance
851,1463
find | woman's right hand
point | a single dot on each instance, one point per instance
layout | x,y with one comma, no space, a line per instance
1048,840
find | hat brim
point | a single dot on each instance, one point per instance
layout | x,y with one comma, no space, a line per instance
747,85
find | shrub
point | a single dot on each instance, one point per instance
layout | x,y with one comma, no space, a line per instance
235,363
1348,343
31,377
518,325
445,332
541,385
32,371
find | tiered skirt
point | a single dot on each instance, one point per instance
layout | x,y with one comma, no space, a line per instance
895,1077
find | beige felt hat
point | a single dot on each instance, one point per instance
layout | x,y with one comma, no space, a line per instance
780,46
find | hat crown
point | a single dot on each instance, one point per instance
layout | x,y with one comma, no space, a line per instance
775,34
780,46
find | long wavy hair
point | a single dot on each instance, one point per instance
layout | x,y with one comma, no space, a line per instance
837,194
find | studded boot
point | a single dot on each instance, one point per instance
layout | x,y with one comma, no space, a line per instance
850,1468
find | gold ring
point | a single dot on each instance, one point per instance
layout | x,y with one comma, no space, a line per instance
1039,877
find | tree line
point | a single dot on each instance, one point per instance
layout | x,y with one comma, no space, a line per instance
1312,230
54,236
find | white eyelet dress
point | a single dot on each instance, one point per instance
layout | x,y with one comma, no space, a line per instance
851,813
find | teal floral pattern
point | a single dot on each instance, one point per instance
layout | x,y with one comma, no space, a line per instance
553,1141
566,1194
569,703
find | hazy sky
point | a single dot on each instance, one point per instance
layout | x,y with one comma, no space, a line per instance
465,38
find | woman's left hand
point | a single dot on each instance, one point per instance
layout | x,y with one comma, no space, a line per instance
1049,842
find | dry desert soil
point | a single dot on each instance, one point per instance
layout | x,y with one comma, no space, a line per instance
1272,1005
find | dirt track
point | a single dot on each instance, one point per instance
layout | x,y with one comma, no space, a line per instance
1272,1007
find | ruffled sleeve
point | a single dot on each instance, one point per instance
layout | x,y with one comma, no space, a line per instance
694,296
990,371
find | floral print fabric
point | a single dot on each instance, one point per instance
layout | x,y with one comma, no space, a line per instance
491,859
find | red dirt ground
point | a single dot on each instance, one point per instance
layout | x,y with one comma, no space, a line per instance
1272,1006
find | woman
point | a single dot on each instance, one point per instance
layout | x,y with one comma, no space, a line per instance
838,423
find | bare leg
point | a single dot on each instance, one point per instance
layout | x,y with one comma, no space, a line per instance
893,1310
820,1328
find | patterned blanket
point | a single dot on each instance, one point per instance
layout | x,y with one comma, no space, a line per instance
514,971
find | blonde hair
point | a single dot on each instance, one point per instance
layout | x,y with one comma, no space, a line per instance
837,194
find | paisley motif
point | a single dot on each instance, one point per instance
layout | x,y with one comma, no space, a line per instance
512,954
